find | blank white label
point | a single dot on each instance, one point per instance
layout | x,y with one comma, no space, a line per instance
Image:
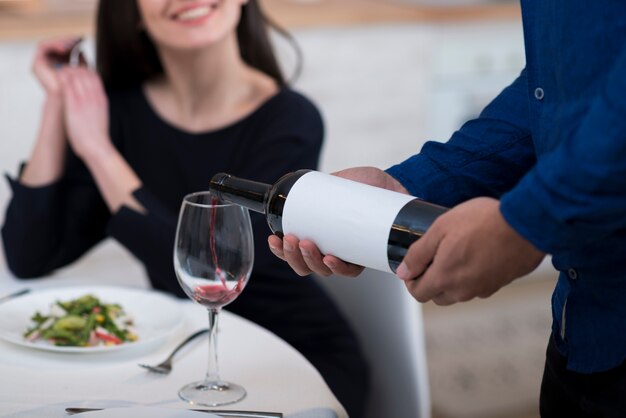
344,218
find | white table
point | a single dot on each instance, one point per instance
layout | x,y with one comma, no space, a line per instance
35,383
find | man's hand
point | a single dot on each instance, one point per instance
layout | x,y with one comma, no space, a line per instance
304,256
470,251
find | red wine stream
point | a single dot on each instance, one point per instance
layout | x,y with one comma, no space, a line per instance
216,293
218,270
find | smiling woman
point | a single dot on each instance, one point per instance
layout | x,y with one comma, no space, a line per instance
123,30
184,89
169,21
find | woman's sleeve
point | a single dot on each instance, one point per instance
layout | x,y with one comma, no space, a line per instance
486,157
51,226
149,237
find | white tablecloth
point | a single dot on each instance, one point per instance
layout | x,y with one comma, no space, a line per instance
277,378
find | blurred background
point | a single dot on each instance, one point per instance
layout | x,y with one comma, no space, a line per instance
388,75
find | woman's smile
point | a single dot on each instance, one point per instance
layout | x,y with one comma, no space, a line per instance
194,14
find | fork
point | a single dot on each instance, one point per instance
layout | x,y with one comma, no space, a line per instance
166,365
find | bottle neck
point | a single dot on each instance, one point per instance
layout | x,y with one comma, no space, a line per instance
249,194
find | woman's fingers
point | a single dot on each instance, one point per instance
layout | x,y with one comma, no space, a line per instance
55,52
81,85
71,87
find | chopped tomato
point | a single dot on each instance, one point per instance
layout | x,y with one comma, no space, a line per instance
108,337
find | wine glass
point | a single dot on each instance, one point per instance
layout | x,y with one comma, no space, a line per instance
213,257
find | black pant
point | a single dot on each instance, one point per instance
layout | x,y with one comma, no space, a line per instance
567,394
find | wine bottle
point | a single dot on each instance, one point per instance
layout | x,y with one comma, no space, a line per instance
355,222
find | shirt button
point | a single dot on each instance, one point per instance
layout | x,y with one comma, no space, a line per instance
572,273
539,93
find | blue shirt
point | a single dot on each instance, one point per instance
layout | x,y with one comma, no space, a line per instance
552,148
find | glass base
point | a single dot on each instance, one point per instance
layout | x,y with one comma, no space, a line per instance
207,393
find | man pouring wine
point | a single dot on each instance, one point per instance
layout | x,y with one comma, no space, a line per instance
540,171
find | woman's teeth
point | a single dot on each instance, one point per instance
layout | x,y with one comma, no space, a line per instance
196,13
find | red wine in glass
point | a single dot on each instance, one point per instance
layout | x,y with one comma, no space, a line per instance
217,294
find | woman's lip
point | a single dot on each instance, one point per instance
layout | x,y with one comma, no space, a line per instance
192,15
184,9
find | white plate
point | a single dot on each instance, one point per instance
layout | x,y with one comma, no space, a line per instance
156,315
147,412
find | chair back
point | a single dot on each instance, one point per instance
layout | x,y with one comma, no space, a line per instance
388,322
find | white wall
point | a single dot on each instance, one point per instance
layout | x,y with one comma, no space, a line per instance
20,100
19,113
386,89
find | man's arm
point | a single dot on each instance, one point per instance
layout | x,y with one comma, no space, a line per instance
486,157
575,195
578,190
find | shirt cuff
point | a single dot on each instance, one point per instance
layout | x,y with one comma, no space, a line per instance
425,180
530,211
40,199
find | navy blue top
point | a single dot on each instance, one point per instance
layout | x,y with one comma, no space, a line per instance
552,147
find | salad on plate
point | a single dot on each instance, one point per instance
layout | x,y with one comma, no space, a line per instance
82,322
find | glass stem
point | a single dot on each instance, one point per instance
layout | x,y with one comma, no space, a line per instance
213,373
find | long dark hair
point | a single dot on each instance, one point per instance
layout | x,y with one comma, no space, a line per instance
126,56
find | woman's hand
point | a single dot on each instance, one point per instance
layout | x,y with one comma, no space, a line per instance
86,112
470,251
304,257
87,125
47,161
49,57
